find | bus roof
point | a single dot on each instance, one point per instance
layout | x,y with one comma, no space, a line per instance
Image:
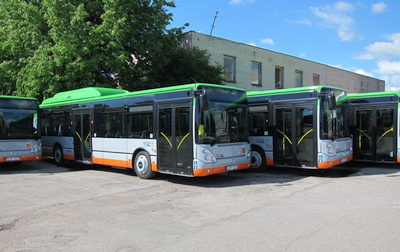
18,102
83,93
17,97
95,93
291,90
374,94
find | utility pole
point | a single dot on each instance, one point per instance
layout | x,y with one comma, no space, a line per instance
212,27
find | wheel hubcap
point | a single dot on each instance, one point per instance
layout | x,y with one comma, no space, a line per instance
57,155
256,160
142,164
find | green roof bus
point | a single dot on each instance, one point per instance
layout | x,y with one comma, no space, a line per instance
189,130
305,127
375,126
19,135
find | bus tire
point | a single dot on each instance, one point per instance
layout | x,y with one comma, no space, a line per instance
258,162
142,166
58,155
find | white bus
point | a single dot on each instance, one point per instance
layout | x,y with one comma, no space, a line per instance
19,134
375,126
305,127
189,130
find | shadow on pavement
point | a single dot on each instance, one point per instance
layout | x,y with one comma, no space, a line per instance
274,175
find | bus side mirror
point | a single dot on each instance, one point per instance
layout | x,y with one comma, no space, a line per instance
203,99
332,101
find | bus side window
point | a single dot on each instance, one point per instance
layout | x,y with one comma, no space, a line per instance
45,122
114,124
258,123
140,125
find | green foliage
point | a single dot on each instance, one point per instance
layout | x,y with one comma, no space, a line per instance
188,67
48,46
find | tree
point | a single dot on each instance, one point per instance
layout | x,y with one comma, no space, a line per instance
48,46
22,31
188,67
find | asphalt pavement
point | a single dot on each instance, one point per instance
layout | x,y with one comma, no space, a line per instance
44,207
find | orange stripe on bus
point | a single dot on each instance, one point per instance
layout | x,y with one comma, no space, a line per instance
66,156
216,170
22,159
47,153
69,157
270,161
112,162
329,164
154,166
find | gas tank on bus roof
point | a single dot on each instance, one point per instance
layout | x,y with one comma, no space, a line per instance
83,93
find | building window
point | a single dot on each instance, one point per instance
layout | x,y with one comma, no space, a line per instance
229,69
299,78
278,77
256,73
315,79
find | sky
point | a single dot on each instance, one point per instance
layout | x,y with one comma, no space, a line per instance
358,36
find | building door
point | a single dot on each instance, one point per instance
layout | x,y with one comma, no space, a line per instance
175,139
82,128
295,135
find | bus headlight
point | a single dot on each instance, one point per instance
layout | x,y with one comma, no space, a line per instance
206,155
330,149
37,147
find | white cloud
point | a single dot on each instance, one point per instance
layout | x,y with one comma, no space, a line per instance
387,54
378,8
388,67
360,71
335,16
235,2
302,55
385,49
337,66
365,56
299,21
392,82
267,41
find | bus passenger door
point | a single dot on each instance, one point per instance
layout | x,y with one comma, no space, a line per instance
283,136
82,124
363,135
174,138
374,134
386,140
306,148
295,135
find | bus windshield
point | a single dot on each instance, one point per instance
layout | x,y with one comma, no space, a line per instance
18,124
334,123
224,121
18,118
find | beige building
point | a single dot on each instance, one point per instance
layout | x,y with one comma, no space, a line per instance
254,68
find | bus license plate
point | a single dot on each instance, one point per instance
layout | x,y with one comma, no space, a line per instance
231,168
13,159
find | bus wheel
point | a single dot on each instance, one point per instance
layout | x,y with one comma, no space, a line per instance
58,155
258,163
142,166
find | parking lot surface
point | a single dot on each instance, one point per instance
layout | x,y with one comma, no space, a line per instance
96,208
